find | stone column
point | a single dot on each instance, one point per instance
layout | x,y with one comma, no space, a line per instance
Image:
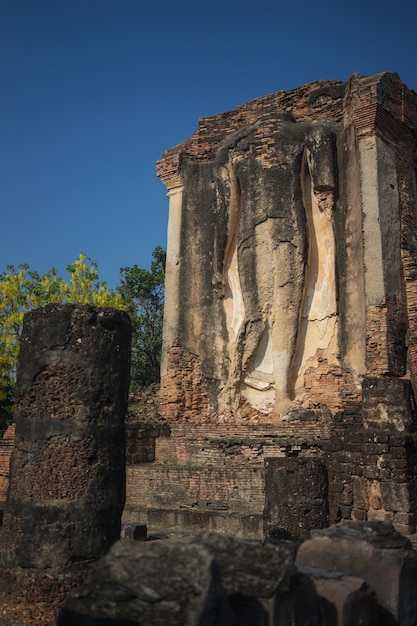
67,484
172,275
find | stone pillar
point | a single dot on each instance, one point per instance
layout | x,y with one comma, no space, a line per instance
172,274
375,553
67,484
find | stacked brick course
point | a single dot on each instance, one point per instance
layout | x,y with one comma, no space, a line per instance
212,475
309,102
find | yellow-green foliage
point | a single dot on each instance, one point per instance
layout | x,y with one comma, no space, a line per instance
23,289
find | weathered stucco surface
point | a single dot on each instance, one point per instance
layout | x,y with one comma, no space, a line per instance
290,268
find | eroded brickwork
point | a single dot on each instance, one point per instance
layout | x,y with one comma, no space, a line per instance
211,474
184,394
306,103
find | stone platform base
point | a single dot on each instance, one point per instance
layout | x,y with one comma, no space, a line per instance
212,476
189,521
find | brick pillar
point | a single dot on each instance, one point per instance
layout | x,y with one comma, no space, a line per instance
67,483
388,403
389,477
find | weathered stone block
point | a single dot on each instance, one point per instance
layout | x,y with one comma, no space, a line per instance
344,600
376,553
151,584
387,402
380,516
361,493
249,569
255,577
296,495
371,472
137,532
396,497
359,515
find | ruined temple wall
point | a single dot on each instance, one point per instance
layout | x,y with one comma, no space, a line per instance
317,100
192,274
213,475
320,181
235,490
374,121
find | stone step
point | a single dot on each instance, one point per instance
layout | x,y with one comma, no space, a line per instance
166,520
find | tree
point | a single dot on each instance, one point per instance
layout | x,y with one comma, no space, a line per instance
142,292
23,289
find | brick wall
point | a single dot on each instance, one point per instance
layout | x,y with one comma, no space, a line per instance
237,489
221,444
212,475
317,100
208,471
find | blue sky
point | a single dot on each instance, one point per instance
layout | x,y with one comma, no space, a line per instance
94,91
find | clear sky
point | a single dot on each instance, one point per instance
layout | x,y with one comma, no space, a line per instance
94,91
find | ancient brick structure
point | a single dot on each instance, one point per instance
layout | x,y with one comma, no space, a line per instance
67,479
290,316
291,268
290,341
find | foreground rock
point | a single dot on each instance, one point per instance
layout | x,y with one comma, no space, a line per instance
377,554
261,582
344,600
153,584
348,575
212,580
